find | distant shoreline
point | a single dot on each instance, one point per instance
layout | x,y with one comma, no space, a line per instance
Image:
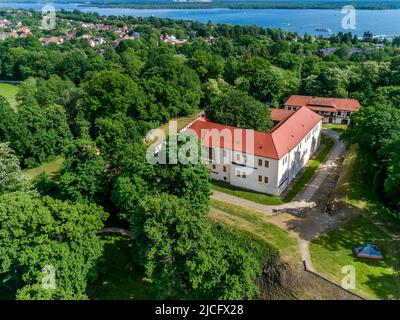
245,5
221,4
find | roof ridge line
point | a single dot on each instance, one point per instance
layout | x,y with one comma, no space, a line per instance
283,121
277,127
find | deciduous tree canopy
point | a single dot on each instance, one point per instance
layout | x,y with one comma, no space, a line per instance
38,233
236,108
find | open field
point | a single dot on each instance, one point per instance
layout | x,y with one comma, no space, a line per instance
9,91
52,168
252,221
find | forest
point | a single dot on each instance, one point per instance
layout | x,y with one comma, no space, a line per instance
94,106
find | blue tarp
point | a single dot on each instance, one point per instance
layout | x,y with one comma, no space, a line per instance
368,251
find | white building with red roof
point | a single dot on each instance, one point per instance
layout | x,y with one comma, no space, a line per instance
334,110
265,162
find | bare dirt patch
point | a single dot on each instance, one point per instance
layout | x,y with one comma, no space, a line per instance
284,281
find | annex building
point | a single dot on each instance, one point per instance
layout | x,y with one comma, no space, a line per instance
334,110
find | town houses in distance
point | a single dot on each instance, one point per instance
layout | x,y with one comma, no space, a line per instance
265,162
334,110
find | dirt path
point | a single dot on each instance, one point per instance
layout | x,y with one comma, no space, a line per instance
325,168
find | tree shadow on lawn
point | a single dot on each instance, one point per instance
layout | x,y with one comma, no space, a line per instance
361,231
356,232
120,278
385,286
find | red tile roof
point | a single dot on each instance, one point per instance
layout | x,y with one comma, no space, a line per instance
288,134
324,109
336,103
280,114
274,144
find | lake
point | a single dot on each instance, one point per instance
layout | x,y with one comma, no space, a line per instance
379,22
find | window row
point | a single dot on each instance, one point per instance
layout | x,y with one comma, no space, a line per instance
260,179
261,163
266,163
345,113
241,174
308,136
215,167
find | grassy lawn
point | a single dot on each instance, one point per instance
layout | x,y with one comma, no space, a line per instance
52,168
349,189
246,194
353,193
120,278
254,222
374,279
310,170
181,122
340,128
9,91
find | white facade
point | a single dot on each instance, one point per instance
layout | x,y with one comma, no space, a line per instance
265,175
295,160
337,116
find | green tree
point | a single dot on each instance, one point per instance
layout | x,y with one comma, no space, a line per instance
189,180
8,121
377,133
236,108
329,83
27,92
132,62
42,132
34,132
11,176
53,91
108,93
272,84
396,41
113,137
136,179
188,177
83,176
206,65
71,66
173,89
185,256
45,233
